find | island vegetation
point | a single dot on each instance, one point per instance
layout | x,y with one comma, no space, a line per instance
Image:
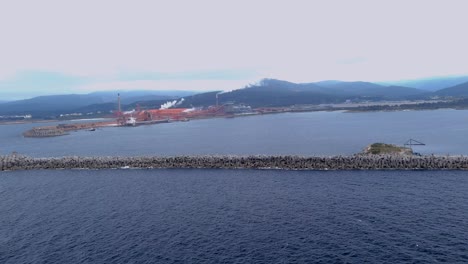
387,149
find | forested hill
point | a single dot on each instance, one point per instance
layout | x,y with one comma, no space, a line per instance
266,93
271,92
460,90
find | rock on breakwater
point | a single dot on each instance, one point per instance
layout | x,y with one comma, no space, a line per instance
355,162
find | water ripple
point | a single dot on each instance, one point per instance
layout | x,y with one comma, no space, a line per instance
231,216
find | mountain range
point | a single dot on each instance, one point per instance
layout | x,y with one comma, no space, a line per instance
266,93
430,84
271,92
70,103
460,90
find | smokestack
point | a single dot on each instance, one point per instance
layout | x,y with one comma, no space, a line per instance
118,102
216,99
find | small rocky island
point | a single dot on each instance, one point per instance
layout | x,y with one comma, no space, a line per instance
387,149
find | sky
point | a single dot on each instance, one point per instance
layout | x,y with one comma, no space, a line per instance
56,46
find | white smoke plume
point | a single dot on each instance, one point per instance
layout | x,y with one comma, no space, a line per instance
223,92
129,112
168,104
180,102
189,110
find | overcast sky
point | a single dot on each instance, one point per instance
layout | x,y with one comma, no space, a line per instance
62,46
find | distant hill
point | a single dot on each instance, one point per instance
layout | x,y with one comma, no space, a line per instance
328,83
52,103
367,89
128,97
104,108
271,92
460,90
202,99
430,84
149,104
349,89
64,104
266,93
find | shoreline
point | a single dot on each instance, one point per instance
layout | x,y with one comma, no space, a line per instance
354,162
386,106
74,125
41,121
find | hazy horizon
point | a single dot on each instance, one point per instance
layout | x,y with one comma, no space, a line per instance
52,47
6,98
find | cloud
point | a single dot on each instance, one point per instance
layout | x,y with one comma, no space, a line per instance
299,40
353,60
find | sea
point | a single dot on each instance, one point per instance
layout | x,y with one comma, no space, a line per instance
239,216
313,133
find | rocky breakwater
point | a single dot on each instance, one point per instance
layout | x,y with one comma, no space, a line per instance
64,129
45,132
354,162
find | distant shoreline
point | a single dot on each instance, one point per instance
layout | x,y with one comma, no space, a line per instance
20,122
387,106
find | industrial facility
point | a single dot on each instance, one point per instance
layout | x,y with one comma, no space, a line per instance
163,115
137,117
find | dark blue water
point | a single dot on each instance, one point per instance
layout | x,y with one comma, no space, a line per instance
316,133
233,216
